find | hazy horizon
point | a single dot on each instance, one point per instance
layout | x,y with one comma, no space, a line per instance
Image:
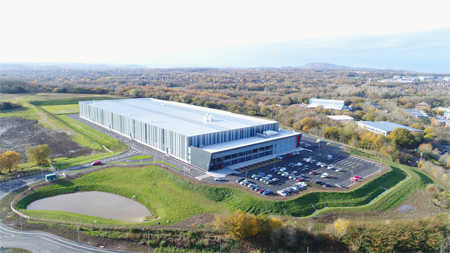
228,34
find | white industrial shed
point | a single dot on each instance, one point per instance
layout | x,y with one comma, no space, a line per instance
327,104
177,128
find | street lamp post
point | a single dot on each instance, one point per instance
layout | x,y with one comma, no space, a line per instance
318,150
42,173
352,173
148,237
246,174
21,228
273,161
78,228
10,188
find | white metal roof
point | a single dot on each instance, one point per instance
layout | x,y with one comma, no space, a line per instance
387,126
181,118
247,141
340,117
326,103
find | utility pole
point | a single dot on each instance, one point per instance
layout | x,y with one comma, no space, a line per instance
78,226
10,188
42,173
21,228
318,150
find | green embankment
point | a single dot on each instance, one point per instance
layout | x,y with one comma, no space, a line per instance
173,198
140,157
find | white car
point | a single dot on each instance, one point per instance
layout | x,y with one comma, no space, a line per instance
269,176
285,174
338,170
219,179
323,165
299,164
283,169
324,175
243,182
275,179
330,167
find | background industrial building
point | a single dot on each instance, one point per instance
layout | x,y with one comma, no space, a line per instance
206,138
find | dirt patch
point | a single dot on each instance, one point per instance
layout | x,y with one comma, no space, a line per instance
17,134
198,220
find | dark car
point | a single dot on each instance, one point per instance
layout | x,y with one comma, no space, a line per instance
240,179
318,182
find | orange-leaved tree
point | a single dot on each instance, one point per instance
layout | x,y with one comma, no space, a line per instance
8,159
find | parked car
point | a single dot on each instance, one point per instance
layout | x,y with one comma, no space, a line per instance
339,185
324,175
267,192
301,175
285,174
357,177
323,165
299,179
330,167
275,179
318,182
282,169
319,163
312,172
269,176
353,179
273,170
257,188
326,185
338,170
96,163
243,182
299,164
262,174
219,179
240,179
253,176
262,190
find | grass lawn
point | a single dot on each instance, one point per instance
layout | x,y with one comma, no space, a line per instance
172,198
154,187
139,157
62,109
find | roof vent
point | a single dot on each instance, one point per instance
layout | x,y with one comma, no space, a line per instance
206,118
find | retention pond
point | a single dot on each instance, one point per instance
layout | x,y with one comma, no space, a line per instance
94,203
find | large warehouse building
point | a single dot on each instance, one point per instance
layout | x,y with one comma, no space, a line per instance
206,138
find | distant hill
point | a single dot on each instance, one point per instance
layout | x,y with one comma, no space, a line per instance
319,65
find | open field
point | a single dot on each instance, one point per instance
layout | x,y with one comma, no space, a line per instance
173,198
62,109
71,142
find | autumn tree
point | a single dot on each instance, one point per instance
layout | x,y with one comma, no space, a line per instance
369,117
38,154
8,159
418,126
290,122
402,137
340,227
308,123
241,225
330,131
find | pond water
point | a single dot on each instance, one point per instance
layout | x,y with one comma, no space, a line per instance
94,203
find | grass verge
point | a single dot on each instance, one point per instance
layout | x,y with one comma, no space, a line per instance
173,198
139,157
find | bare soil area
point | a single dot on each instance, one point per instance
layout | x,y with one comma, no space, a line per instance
17,134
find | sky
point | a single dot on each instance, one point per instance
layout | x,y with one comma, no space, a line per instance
143,32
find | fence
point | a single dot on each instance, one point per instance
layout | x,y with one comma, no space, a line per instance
22,174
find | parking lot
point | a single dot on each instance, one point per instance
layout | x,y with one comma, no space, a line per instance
351,167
